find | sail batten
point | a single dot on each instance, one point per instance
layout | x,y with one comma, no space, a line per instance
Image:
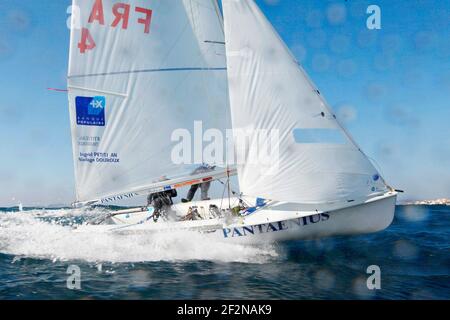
98,91
147,71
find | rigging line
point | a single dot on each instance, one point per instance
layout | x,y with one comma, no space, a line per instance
223,195
232,191
57,90
219,15
228,185
194,27
238,195
202,56
147,71
215,42
123,95
197,59
185,27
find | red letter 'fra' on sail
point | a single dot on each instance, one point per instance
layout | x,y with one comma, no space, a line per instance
148,18
97,12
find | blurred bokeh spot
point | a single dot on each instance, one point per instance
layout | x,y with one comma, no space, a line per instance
346,113
336,13
405,250
359,288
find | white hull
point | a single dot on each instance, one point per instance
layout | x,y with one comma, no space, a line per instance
368,217
277,222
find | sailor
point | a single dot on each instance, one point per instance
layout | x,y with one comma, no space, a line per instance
161,201
204,187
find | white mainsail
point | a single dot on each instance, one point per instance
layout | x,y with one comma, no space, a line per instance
317,160
139,70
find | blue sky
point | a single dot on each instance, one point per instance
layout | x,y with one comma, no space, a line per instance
391,87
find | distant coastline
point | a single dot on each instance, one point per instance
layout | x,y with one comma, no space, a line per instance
436,202
440,202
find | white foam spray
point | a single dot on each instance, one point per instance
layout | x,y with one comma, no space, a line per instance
40,234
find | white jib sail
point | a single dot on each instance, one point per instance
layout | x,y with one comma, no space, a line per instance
138,70
315,159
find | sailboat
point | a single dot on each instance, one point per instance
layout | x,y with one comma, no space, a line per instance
141,70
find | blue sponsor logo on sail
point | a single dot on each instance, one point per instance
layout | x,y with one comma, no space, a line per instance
90,111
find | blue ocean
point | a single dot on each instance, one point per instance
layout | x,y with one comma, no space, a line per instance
37,248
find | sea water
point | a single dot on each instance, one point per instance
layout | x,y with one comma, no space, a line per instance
38,249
